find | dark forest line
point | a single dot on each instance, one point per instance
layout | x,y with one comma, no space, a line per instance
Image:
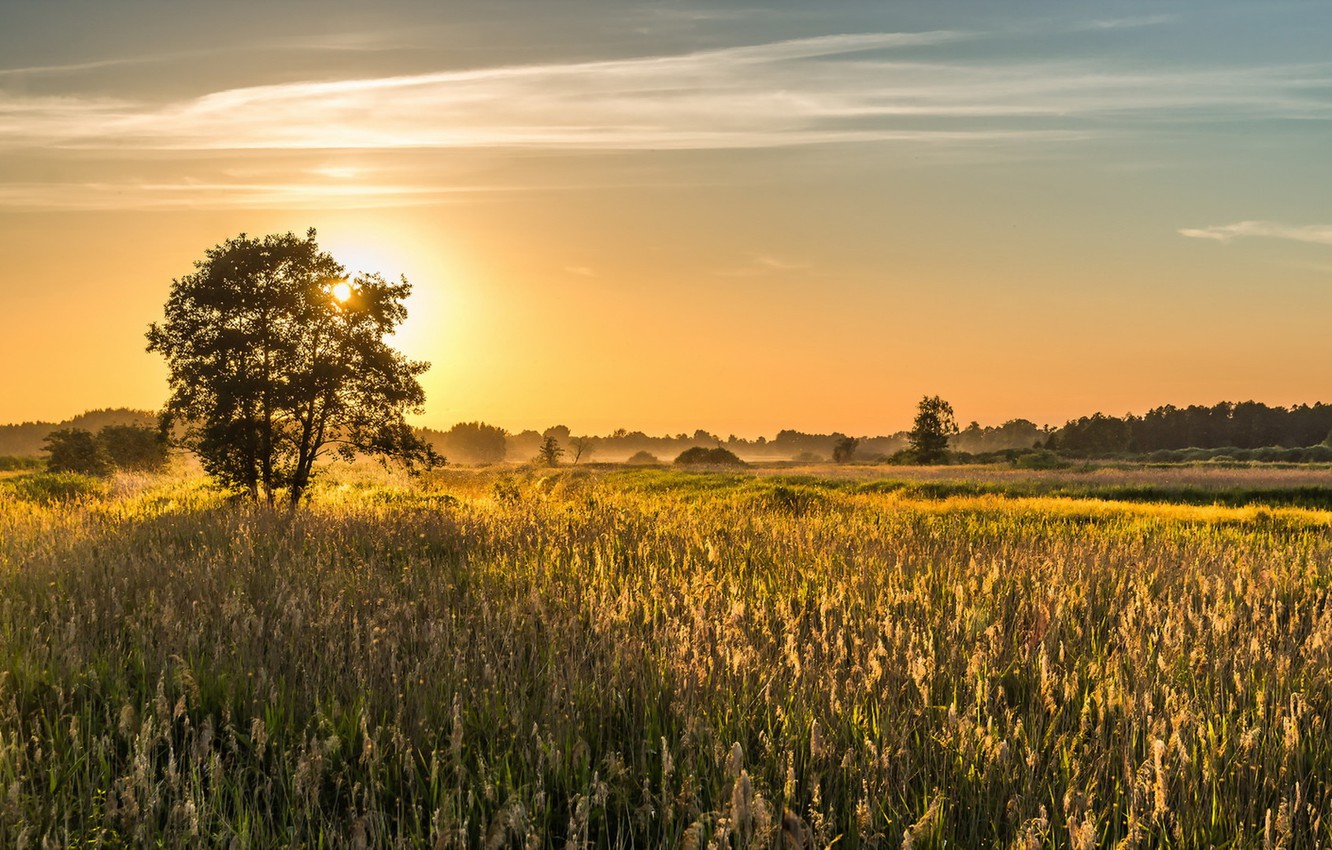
1242,431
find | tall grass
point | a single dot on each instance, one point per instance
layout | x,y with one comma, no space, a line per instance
660,660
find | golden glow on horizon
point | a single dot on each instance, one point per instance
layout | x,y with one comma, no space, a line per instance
817,231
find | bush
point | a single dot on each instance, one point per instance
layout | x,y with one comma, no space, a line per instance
11,463
642,458
1318,454
134,447
845,449
1040,459
810,457
78,451
717,457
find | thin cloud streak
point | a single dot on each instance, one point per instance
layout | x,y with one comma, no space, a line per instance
1319,234
800,92
52,197
1131,23
761,265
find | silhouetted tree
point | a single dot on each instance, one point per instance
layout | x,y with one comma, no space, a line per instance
559,432
933,426
277,360
582,447
845,449
550,451
76,450
134,447
1095,434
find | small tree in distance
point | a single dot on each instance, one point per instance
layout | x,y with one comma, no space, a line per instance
76,450
845,449
550,452
134,447
582,447
276,360
933,426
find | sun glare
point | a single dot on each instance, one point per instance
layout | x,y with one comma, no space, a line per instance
342,291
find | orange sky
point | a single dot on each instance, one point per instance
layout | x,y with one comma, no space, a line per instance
666,222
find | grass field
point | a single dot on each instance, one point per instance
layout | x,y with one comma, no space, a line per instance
653,658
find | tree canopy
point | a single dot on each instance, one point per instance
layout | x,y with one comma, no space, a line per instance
276,360
933,426
845,449
76,450
473,442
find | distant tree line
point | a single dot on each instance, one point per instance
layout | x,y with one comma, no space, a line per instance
1243,425
26,438
1240,426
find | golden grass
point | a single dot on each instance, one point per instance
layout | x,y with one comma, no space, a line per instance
648,659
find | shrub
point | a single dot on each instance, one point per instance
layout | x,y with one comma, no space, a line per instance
810,457
76,450
642,458
845,449
1318,454
716,456
10,463
134,447
1040,459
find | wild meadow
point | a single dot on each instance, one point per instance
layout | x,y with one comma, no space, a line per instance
654,658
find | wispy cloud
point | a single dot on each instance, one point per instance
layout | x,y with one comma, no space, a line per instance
804,91
761,264
1320,234
350,42
1130,23
186,195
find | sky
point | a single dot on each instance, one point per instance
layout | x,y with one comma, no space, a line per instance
666,216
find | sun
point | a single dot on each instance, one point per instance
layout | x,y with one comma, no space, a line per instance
342,291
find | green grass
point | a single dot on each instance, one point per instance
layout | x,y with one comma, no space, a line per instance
662,658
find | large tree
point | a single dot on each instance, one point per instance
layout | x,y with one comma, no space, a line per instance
933,426
277,359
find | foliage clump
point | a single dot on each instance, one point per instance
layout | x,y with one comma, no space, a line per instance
844,450
933,426
701,455
474,442
550,451
277,359
134,448
78,451
1040,459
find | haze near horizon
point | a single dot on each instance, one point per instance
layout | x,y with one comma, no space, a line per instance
677,216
